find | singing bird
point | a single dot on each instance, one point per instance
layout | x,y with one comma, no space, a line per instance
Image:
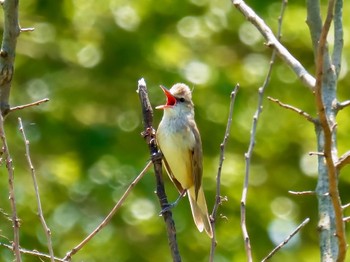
179,140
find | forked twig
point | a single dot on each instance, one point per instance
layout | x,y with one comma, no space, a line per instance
273,42
218,198
286,240
36,188
69,254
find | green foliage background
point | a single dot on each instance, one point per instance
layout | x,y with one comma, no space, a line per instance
87,57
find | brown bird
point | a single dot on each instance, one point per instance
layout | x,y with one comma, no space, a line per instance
179,140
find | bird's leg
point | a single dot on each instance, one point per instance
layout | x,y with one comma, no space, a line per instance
174,204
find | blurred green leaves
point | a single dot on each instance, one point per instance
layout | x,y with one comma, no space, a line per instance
87,56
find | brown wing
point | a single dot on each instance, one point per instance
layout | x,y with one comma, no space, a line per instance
171,176
197,159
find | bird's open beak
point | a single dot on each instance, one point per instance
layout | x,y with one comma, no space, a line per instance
170,99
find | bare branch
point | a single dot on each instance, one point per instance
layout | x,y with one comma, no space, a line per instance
343,160
36,188
33,253
302,193
149,135
266,31
272,42
29,105
7,52
338,36
218,198
297,110
105,222
324,70
10,170
286,240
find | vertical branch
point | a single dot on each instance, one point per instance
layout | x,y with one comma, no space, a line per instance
36,188
249,153
7,52
10,170
218,198
331,225
149,135
338,36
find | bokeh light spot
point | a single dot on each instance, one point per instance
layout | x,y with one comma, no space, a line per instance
279,229
197,72
126,18
89,56
128,121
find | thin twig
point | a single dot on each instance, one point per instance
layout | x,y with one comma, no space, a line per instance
149,135
342,105
297,110
27,29
69,254
29,105
218,198
311,153
258,22
346,219
301,193
345,206
307,79
33,253
10,170
327,130
36,188
343,160
286,240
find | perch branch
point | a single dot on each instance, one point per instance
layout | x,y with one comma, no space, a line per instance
218,198
149,135
10,170
272,42
297,110
286,240
105,222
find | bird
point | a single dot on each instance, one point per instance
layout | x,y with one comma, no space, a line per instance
179,141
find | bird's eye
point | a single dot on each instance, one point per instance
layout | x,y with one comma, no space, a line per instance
182,99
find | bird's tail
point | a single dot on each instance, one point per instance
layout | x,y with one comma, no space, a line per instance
200,210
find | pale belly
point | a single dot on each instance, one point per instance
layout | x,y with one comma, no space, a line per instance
176,150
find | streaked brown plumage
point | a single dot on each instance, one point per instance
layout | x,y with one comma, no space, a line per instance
180,143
